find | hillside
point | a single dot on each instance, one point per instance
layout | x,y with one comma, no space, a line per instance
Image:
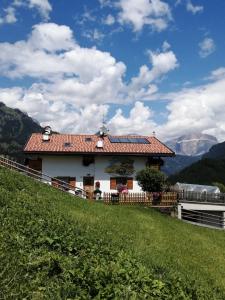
177,163
216,152
206,171
55,246
15,129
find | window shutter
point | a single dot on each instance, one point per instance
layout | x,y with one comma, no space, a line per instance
35,164
72,182
54,182
130,183
112,183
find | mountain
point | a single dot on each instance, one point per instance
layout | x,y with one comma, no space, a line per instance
194,144
175,164
15,129
208,170
205,171
216,152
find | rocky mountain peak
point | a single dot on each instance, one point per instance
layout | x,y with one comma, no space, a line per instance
193,144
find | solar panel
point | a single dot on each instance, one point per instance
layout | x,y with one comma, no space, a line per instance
129,140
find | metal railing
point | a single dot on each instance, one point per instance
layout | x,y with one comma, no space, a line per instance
39,176
204,218
203,197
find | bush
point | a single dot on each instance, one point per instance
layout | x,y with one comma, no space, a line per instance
151,180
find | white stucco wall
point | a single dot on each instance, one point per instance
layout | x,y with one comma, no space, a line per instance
72,166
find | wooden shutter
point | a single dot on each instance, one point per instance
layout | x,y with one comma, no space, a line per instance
35,164
112,183
55,182
130,183
72,182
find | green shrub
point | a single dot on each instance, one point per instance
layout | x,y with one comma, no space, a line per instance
151,180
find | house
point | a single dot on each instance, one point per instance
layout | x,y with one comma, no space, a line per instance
97,160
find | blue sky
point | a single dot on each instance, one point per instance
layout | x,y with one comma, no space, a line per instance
144,65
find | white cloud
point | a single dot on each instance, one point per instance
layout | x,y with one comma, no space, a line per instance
207,47
166,46
139,121
155,13
9,17
51,37
43,6
94,35
198,109
109,20
104,3
71,82
194,9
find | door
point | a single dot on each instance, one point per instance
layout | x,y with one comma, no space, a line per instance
88,184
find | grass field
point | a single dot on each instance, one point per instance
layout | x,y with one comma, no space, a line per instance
55,246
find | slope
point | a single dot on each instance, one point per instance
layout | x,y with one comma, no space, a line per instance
15,128
177,163
55,246
206,171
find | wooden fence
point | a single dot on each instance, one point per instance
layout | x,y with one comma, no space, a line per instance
166,199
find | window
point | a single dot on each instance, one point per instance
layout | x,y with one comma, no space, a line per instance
88,139
115,181
67,144
87,160
70,182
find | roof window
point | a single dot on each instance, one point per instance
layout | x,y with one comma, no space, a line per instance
88,139
67,144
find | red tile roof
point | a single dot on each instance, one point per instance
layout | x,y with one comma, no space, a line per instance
56,145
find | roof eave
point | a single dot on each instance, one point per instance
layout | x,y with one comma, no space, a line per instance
100,153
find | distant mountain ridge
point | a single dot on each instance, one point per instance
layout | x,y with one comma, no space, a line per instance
177,163
208,170
15,129
194,144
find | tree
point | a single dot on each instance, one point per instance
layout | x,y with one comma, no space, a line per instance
151,180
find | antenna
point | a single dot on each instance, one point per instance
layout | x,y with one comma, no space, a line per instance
153,133
103,129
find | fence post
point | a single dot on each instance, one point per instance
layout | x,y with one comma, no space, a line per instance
179,211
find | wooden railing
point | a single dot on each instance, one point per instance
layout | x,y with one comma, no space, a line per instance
165,199
39,176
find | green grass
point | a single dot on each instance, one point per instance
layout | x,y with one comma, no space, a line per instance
55,246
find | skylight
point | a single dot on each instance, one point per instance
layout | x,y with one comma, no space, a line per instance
67,144
129,140
88,139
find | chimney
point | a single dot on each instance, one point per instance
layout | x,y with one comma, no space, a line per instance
46,134
100,144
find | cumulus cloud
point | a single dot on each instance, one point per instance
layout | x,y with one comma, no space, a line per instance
197,109
139,121
162,63
207,47
155,13
71,83
194,9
